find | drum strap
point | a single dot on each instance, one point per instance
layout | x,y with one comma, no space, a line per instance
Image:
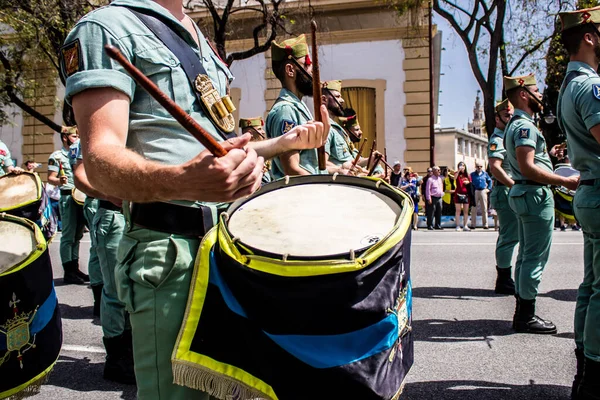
570,76
191,64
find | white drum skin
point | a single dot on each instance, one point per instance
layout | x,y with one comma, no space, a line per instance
17,190
314,220
565,170
78,196
18,242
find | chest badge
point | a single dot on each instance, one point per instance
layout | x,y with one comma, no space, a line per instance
596,91
219,108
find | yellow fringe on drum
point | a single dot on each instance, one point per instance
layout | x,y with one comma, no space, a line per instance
28,389
216,385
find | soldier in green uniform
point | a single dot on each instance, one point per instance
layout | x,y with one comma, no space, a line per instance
508,236
90,207
291,64
340,151
60,174
106,230
6,163
530,198
579,117
136,151
254,126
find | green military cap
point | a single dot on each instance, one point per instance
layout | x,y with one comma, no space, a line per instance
511,82
503,105
246,122
295,47
571,19
333,85
350,119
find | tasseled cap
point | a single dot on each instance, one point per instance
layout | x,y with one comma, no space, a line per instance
571,19
511,82
295,47
333,85
246,122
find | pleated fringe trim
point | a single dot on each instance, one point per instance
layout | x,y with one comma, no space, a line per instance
31,390
217,385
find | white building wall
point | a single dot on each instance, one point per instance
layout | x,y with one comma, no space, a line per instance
250,79
10,133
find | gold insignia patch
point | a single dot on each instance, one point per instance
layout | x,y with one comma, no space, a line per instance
287,126
71,58
493,147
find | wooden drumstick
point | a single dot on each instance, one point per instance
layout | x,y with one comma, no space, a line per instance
360,149
378,158
177,112
316,76
371,153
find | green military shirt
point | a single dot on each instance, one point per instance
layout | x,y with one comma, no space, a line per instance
5,158
153,132
61,158
523,132
338,145
578,112
496,149
75,154
288,112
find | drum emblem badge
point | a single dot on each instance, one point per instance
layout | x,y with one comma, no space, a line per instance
16,331
370,240
219,108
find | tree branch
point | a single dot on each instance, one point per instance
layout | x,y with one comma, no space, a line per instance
528,53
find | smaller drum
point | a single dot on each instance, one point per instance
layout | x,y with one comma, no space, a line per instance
566,171
30,323
78,196
21,195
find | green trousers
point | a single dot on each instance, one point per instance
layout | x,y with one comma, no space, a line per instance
153,276
90,207
534,206
587,309
108,228
71,215
508,234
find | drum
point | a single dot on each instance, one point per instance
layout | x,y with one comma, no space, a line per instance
563,197
30,324
294,277
78,196
21,195
566,171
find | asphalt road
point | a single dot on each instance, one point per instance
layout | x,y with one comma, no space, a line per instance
464,348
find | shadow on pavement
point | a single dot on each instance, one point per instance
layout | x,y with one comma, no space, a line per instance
84,376
451,293
78,312
561,294
478,390
441,330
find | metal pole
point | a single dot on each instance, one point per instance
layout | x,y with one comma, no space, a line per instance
431,96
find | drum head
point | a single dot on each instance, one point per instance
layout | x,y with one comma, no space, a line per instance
314,220
78,196
565,170
18,190
18,242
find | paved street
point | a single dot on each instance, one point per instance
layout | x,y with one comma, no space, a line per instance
464,346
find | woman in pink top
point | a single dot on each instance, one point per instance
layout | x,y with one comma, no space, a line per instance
461,196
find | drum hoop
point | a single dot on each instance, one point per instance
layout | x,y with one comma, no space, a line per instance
41,246
38,184
81,203
280,265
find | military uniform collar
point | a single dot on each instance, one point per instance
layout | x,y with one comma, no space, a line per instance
498,132
581,67
522,114
155,8
65,151
288,95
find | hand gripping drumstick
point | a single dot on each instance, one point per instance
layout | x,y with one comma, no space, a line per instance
177,112
316,76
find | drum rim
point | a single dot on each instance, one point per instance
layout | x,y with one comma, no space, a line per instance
41,247
81,203
38,183
369,183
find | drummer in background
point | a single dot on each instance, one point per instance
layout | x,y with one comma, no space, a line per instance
291,64
6,163
579,118
174,191
508,235
352,126
530,198
254,126
71,213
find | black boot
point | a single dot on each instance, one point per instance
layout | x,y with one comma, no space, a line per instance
97,291
527,322
117,368
589,387
71,276
517,310
504,281
85,277
578,375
